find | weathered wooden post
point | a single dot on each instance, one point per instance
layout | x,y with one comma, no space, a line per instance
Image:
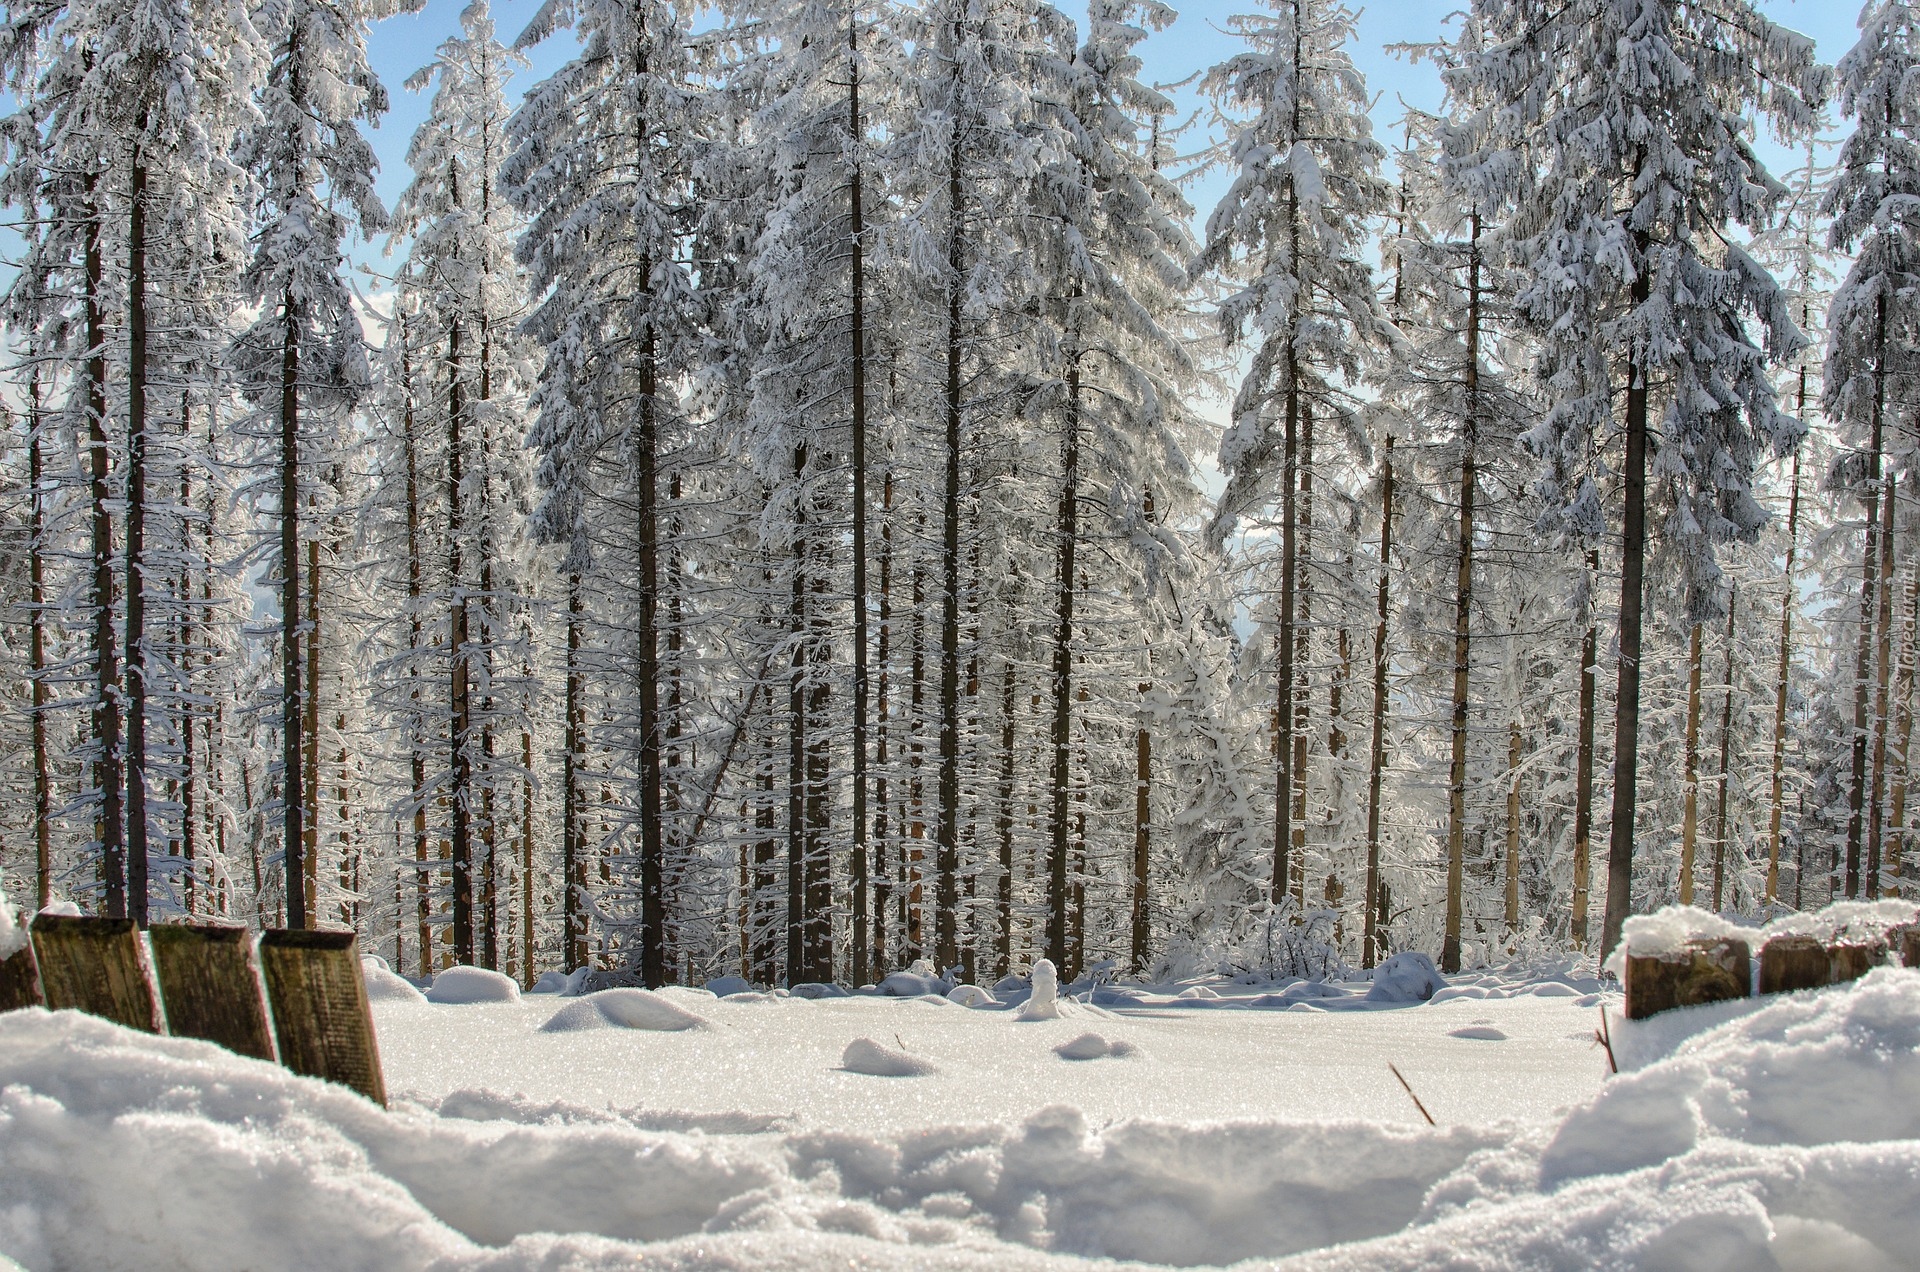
1850,960
1702,971
19,980
321,1018
209,987
1905,941
95,965
1788,963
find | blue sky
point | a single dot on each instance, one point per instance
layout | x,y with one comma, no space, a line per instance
401,45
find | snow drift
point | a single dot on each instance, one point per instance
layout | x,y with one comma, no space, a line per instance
1786,1137
642,1009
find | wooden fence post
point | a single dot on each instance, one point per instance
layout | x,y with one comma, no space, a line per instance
98,966
1850,960
19,980
321,1018
1707,971
1788,963
209,987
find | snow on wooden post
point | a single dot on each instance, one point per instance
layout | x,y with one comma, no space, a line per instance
210,988
95,965
1788,963
19,980
1701,971
320,1014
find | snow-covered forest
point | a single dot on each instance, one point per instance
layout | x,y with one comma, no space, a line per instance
775,516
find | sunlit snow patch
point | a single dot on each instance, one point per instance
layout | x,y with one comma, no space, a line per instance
473,985
622,1009
864,1055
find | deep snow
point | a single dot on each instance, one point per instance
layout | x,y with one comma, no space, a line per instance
1779,1133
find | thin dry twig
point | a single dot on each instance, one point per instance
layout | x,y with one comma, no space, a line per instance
1604,1036
1394,1069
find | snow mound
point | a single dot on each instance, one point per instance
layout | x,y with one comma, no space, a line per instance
551,983
971,996
13,936
1408,977
819,989
640,1009
1043,1003
726,986
385,986
1303,991
1784,1140
1091,1046
1482,1033
864,1055
1011,986
1198,991
472,985
912,985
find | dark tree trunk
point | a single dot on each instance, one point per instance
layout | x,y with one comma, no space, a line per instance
857,295
106,687
292,689
1061,778
1626,718
1869,594
1583,768
947,822
1783,672
136,585
1373,939
460,648
573,813
37,650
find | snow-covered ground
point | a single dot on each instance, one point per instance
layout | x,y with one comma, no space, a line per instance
1783,1133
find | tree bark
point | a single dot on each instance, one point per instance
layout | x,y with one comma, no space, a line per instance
1583,766
573,813
37,649
1373,938
1726,757
1782,675
106,704
1883,624
856,236
1690,819
1869,593
292,688
947,823
1626,718
460,798
136,502
1513,827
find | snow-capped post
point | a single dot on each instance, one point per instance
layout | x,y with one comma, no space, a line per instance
321,1018
95,965
209,988
1699,971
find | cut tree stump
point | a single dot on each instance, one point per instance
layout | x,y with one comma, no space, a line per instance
1905,940
320,1014
95,965
19,980
1850,960
1788,963
1707,971
209,986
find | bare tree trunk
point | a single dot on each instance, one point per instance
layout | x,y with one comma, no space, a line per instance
882,829
573,813
1726,756
1372,941
1903,728
1061,778
37,650
106,704
416,740
1883,623
136,499
1690,819
1869,594
1583,766
797,733
1783,674
292,689
1513,827
947,823
1463,625
460,648
1626,719
1003,946
856,243
1303,674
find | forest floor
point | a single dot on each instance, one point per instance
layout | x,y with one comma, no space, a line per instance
553,1133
